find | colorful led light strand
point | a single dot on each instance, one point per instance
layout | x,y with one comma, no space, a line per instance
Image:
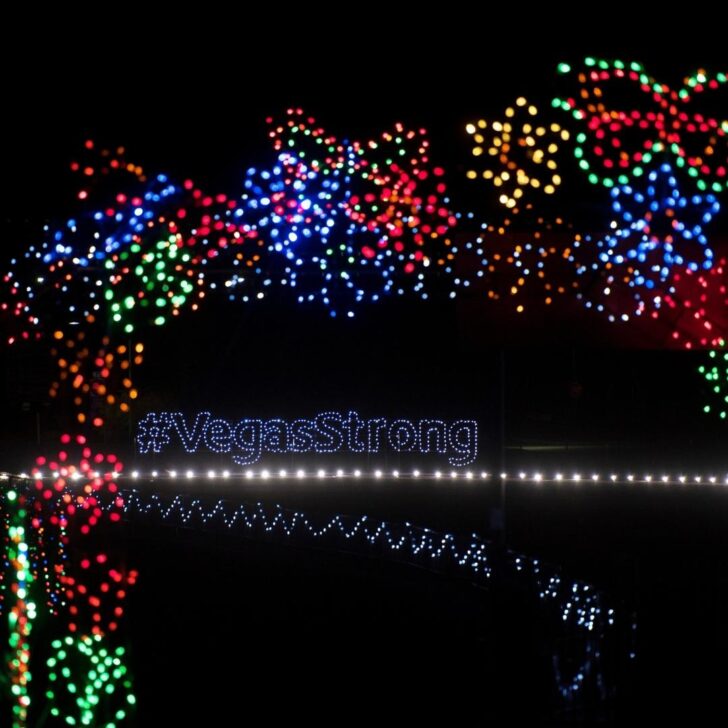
20,606
352,220
618,144
45,545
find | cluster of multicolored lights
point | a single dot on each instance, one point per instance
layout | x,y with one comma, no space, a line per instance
617,145
46,527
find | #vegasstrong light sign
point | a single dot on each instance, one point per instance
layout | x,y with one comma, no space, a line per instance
249,439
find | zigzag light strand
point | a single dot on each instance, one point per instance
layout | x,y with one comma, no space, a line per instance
578,605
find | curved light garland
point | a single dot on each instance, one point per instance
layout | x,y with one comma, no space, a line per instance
578,605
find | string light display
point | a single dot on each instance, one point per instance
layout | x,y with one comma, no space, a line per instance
20,605
517,153
656,260
361,219
48,521
99,374
715,373
654,231
617,144
88,681
536,478
519,266
339,223
343,222
327,432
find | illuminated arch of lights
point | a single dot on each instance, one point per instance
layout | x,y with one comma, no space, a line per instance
340,223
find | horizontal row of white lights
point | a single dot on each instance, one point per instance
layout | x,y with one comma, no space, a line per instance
321,473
